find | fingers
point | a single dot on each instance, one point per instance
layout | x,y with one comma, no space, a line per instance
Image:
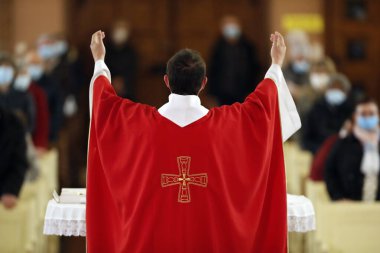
277,39
97,37
280,38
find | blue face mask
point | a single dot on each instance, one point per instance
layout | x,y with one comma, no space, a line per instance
301,67
368,123
35,71
335,96
6,75
47,51
231,31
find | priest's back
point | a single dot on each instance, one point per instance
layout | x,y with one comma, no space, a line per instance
215,185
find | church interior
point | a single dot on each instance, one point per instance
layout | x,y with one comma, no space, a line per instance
331,68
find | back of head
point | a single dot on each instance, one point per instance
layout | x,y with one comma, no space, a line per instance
186,71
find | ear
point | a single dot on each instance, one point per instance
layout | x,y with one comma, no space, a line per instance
204,82
166,80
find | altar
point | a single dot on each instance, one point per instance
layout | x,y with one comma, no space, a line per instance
70,219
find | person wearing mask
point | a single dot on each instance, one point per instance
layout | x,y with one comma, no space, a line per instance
50,85
122,60
15,100
352,168
24,83
13,161
328,113
234,65
320,72
297,70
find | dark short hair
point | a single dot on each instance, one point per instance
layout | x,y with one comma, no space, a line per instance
186,71
366,100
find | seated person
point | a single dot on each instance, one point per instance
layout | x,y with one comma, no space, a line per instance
352,168
13,162
328,114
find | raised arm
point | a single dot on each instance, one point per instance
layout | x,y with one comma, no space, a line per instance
98,51
101,80
290,120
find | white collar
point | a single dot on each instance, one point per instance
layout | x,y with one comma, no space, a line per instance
184,100
183,109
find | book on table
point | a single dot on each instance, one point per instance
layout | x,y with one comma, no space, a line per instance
71,196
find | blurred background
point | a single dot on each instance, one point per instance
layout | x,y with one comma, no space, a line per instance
331,70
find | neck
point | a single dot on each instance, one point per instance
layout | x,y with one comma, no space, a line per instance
367,137
4,89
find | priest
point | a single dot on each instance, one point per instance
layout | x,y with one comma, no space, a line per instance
182,178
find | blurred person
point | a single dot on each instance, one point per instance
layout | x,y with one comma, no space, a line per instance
297,70
328,113
51,86
122,60
320,72
13,161
352,169
234,64
25,83
13,99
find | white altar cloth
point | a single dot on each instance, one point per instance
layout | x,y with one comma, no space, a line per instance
70,219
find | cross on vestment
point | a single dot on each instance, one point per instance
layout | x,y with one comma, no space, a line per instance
184,179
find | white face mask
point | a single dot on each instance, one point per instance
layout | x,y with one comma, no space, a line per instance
35,71
120,35
231,31
301,66
319,81
22,82
6,75
335,96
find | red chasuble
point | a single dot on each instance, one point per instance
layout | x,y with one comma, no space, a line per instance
215,185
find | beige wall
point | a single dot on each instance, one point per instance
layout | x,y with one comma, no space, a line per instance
34,17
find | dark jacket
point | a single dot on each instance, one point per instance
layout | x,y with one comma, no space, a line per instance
322,121
20,102
13,161
234,70
55,101
343,175
122,62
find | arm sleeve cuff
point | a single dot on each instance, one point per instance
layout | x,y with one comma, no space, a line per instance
290,119
102,69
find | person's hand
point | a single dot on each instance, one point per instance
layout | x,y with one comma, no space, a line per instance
9,200
97,47
278,50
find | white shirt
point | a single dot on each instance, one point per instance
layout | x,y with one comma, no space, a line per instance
185,109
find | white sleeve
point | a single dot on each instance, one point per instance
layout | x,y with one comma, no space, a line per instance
99,69
290,119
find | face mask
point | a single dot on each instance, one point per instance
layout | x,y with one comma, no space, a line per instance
35,71
231,31
335,96
319,81
61,47
47,51
368,123
22,82
301,67
6,75
120,35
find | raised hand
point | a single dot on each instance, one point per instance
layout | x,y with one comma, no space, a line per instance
97,46
278,50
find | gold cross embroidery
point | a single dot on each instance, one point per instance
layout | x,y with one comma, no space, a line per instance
184,179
